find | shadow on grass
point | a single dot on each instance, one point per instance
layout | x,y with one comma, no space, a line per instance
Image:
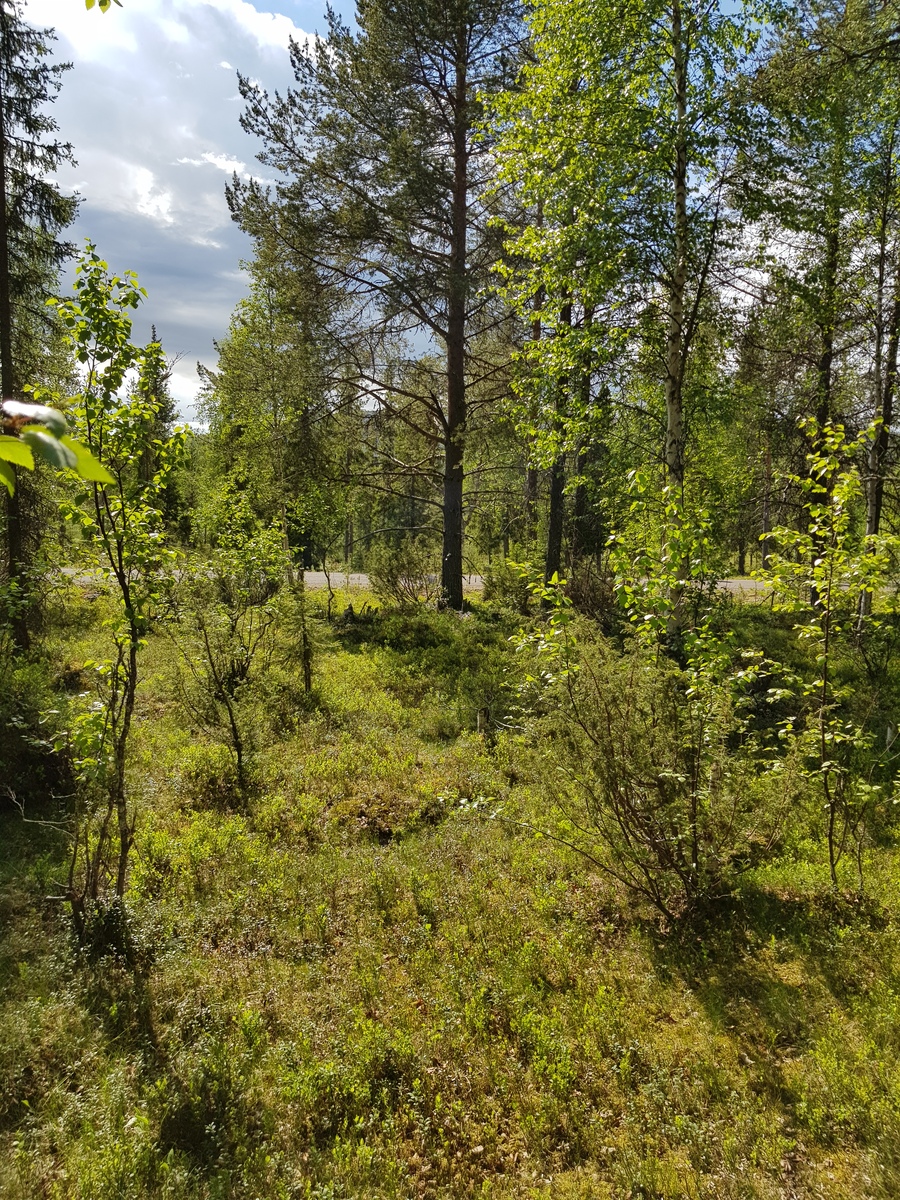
769,968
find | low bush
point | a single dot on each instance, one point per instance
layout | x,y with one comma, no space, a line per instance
662,766
33,771
506,585
406,575
207,777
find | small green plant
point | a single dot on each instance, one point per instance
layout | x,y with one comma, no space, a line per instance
207,777
506,585
821,573
227,622
549,646
122,526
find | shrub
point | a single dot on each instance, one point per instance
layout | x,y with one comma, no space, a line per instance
662,764
28,719
208,777
507,585
228,634
407,575
210,1107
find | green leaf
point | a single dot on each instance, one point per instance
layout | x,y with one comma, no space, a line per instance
14,450
87,466
49,448
8,475
51,417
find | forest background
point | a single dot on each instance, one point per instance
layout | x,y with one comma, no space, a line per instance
581,882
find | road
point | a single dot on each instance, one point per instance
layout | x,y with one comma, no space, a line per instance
356,581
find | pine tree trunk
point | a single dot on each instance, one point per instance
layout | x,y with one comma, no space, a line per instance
455,426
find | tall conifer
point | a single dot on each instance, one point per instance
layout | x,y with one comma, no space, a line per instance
384,171
33,212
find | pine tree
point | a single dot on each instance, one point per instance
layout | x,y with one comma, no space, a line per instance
384,177
33,212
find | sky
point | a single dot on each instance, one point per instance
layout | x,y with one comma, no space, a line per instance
151,107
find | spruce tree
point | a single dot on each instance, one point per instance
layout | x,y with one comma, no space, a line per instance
33,213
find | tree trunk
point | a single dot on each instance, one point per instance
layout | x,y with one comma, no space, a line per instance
675,350
675,341
455,425
553,556
348,541
451,560
825,368
582,540
531,472
885,372
766,541
579,508
125,826
556,518
819,492
881,442
530,497
885,414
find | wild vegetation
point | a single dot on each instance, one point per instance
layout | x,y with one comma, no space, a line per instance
557,855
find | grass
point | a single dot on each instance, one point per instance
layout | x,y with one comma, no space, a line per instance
351,985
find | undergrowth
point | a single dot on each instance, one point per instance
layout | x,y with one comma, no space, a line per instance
363,978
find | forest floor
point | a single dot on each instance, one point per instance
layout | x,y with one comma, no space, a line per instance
354,983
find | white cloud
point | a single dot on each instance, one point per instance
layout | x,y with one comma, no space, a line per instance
150,200
222,161
271,30
150,106
96,36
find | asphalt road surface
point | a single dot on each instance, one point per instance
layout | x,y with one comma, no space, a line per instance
747,588
356,581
